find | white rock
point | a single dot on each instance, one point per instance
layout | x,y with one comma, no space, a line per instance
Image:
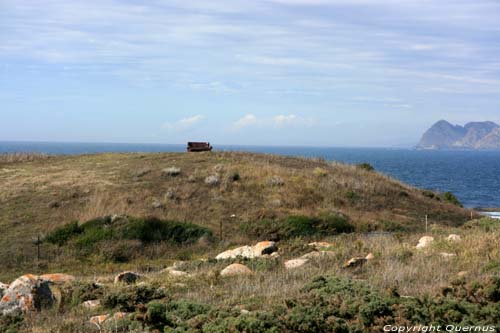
453,238
370,256
447,255
425,242
318,255
320,245
295,263
258,250
236,269
92,304
27,293
172,171
212,180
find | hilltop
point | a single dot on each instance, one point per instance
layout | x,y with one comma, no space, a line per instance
206,189
474,135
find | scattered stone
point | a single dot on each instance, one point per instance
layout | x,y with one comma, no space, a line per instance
98,320
171,171
318,255
57,278
54,204
236,269
425,242
453,238
370,256
447,255
295,263
27,293
275,181
244,311
142,172
170,195
219,168
157,204
462,274
127,277
92,304
212,180
320,245
176,273
355,262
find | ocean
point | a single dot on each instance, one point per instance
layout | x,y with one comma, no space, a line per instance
473,176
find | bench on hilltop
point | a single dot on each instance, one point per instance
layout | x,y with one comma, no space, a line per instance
199,146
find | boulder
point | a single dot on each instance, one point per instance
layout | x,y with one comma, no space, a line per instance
236,269
318,255
57,278
295,263
355,262
425,242
447,255
127,277
27,293
212,180
265,247
92,304
258,250
453,238
370,256
107,319
171,171
98,320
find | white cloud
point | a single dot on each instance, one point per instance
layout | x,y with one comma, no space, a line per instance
184,123
247,120
284,119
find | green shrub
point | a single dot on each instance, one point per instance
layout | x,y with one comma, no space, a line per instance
451,198
63,234
366,166
156,314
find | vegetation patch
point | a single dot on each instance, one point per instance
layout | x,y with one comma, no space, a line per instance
299,226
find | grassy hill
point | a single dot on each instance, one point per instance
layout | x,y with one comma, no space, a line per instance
38,194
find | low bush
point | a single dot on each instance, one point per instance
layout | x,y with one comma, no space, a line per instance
365,166
451,198
63,234
299,226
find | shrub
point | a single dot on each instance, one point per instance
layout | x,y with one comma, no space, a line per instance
156,314
63,234
451,198
365,166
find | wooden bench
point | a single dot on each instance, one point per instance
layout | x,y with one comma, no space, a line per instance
199,146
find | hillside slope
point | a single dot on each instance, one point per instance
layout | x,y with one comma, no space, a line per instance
37,196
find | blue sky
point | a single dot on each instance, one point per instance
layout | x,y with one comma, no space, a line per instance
282,72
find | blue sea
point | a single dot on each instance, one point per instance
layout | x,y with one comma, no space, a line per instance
473,176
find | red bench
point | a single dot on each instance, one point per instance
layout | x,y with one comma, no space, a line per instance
199,146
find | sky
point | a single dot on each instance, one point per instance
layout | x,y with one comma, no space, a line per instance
372,73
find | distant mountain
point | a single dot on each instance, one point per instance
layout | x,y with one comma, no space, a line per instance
474,135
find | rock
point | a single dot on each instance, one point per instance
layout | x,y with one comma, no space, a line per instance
236,269
355,262
425,242
170,195
171,171
265,247
27,293
320,245
242,251
157,204
453,238
447,255
212,180
258,250
106,318
92,304
370,256
127,277
295,263
462,274
54,204
318,255
98,320
219,168
176,273
275,181
58,278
